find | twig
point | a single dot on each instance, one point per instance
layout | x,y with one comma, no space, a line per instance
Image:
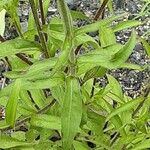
101,9
39,28
97,15
25,59
42,17
2,39
42,12
43,110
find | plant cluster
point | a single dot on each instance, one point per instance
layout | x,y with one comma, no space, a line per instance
53,100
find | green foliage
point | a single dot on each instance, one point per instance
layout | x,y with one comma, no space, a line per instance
53,93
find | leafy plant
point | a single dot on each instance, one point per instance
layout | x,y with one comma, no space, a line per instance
53,91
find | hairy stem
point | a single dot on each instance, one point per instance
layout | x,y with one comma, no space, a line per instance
68,27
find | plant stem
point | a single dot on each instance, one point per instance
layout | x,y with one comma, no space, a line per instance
68,27
39,28
18,29
25,59
42,17
100,10
42,12
99,13
2,39
43,110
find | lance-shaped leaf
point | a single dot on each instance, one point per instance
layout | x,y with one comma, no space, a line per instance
126,24
146,46
7,142
106,40
3,124
71,112
11,107
97,71
125,107
111,57
115,86
35,71
12,47
48,82
46,121
38,97
142,145
95,26
121,56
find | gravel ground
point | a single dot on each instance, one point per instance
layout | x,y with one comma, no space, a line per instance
131,81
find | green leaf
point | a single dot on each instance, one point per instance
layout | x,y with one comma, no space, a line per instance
25,98
78,15
95,26
12,47
125,107
19,135
110,6
95,57
58,93
80,146
38,97
63,58
17,63
94,72
46,121
39,69
85,65
11,107
7,90
126,24
133,66
146,46
7,142
142,145
106,40
66,17
115,86
46,6
2,22
85,39
46,83
3,124
71,112
104,57
122,55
